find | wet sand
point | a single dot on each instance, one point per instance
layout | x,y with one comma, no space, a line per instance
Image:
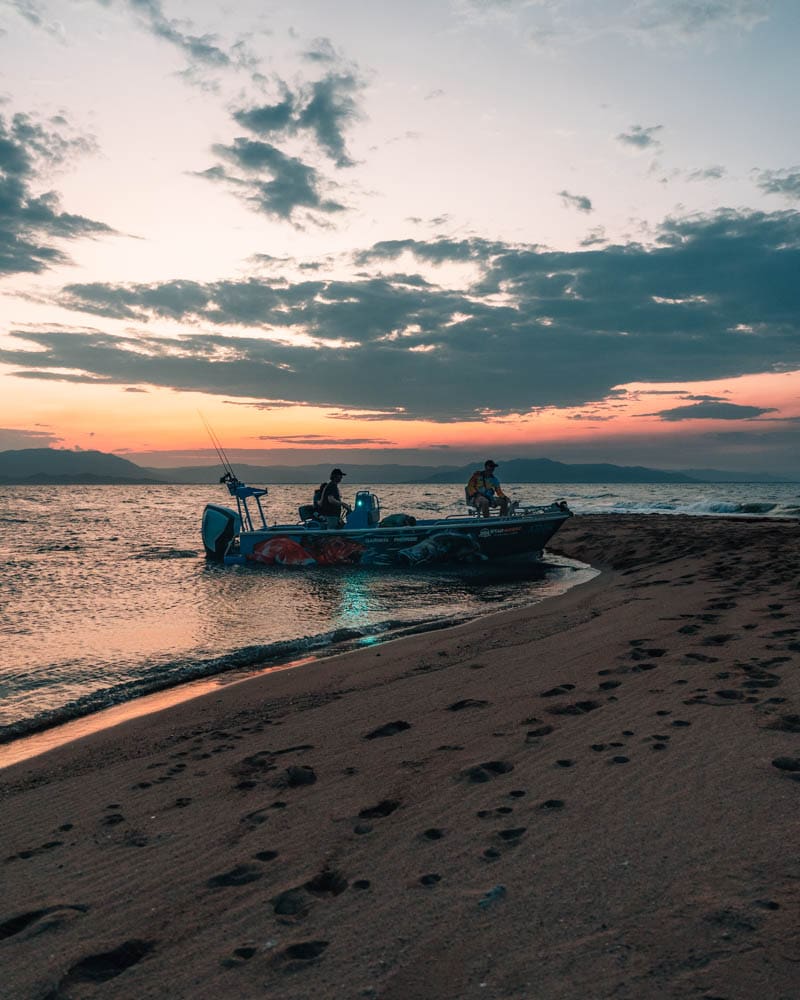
596,797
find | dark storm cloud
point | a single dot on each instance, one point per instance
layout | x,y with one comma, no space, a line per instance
579,201
640,137
712,411
785,182
30,220
716,297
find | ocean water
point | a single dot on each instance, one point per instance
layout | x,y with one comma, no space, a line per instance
105,594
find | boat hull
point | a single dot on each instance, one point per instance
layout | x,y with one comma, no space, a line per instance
451,540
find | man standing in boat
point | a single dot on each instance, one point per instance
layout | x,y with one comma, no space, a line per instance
484,491
331,505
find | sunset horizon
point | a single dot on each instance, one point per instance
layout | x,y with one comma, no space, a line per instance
560,230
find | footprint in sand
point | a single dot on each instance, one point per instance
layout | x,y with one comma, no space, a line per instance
31,852
555,691
512,835
389,729
789,764
238,957
113,819
786,724
291,903
240,875
329,882
48,918
384,808
459,706
259,816
300,954
297,776
646,654
575,708
104,966
717,640
535,735
487,771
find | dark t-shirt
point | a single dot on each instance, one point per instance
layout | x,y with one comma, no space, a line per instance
326,507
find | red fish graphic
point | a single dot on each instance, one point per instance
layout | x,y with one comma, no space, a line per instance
335,551
281,551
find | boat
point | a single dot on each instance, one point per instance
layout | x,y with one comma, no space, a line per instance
242,536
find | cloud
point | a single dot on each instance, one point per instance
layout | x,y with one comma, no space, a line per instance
322,110
640,137
19,437
35,14
579,201
783,182
685,20
319,440
595,237
271,182
30,219
714,173
712,411
553,24
715,296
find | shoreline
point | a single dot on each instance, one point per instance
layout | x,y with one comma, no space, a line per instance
592,796
48,730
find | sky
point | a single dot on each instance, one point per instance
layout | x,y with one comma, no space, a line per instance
425,233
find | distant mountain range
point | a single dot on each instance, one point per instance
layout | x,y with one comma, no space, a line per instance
51,466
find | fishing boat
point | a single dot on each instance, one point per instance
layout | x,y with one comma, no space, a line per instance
241,536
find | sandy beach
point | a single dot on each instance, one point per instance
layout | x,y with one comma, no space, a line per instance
595,797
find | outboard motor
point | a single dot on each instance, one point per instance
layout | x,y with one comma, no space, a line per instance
220,526
366,512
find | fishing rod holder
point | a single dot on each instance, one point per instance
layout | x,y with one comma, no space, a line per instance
242,493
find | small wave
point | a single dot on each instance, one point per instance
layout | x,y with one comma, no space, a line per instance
181,671
166,553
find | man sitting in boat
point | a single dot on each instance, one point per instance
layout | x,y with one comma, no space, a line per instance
331,506
484,490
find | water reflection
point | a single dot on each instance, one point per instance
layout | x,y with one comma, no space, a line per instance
111,588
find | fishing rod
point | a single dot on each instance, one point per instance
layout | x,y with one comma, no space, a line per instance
230,475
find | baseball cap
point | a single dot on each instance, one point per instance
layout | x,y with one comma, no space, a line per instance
337,472
490,462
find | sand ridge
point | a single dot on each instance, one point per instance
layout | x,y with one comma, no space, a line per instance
596,797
